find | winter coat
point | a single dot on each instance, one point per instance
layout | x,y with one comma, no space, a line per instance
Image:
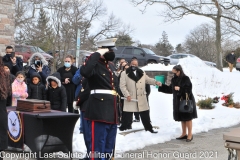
70,87
36,91
19,91
9,98
56,96
32,69
100,73
231,58
134,86
185,87
3,123
13,69
77,79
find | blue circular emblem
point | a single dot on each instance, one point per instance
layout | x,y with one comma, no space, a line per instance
14,126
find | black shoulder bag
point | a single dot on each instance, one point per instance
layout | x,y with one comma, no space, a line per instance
186,105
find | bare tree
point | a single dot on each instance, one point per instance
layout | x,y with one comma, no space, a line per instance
213,9
201,42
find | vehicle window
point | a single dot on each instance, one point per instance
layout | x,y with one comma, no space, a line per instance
18,49
25,49
184,56
40,50
127,51
33,50
176,56
148,51
137,51
192,56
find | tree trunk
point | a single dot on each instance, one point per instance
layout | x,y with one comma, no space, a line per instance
218,43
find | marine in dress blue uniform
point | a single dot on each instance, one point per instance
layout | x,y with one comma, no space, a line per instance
101,111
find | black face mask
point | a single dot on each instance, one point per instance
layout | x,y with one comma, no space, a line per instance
134,68
109,56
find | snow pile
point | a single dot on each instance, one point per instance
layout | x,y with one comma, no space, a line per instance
207,82
157,67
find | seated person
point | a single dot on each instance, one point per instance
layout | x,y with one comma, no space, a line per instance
56,93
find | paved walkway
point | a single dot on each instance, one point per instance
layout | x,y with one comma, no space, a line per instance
209,145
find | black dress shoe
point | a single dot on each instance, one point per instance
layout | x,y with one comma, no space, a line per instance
152,131
184,137
189,140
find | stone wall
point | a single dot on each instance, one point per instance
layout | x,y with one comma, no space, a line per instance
7,27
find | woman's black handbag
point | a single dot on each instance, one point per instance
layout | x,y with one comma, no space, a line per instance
186,105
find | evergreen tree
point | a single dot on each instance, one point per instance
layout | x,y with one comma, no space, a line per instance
163,47
179,48
123,40
42,32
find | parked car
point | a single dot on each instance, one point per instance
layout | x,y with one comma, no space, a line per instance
144,55
26,51
238,64
174,59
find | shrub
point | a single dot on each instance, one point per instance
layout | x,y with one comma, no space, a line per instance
228,99
237,105
206,103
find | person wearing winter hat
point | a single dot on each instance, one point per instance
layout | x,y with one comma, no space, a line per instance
38,64
56,92
36,90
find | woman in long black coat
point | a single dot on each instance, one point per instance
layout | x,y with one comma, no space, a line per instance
67,72
180,85
5,90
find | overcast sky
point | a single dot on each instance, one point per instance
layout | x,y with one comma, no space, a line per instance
149,26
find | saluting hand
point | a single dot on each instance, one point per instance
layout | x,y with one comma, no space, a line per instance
102,51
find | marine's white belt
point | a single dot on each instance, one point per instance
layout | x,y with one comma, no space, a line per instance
103,91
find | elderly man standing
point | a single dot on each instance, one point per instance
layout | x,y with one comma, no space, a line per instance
132,85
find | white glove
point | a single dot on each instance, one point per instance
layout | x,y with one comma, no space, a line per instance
74,105
102,51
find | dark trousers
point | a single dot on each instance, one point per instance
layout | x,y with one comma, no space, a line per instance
103,136
145,118
70,108
86,132
136,115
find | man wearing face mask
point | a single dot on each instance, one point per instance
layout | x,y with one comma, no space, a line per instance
101,111
132,85
38,63
15,63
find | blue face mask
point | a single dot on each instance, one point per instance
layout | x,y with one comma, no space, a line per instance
67,64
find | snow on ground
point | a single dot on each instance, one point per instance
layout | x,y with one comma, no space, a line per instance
207,82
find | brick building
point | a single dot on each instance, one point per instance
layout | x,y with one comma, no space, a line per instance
7,27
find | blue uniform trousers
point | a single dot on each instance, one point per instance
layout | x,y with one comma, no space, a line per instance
103,136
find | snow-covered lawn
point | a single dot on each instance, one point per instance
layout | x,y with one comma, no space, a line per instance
207,82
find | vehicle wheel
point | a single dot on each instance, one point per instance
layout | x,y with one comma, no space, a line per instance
166,64
152,62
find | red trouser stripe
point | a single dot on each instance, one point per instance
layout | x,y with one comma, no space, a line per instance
92,140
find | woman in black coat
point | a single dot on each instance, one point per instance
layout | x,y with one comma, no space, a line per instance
67,72
5,91
180,85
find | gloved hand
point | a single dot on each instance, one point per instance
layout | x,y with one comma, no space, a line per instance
74,105
102,51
